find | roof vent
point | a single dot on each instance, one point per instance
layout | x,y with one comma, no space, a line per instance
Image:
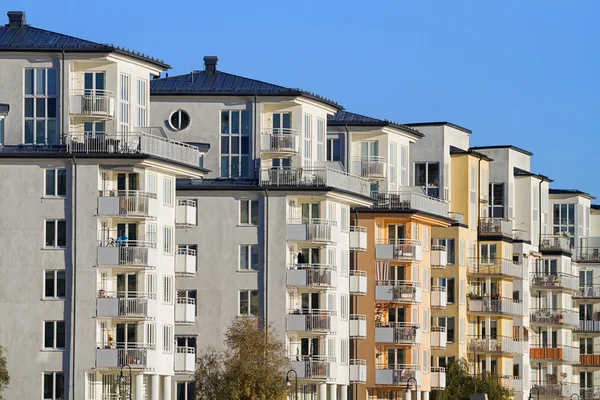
210,63
16,18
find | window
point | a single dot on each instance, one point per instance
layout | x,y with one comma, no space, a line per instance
168,240
344,261
54,334
564,220
393,162
461,291
448,283
151,183
41,106
344,223
344,307
426,279
307,140
186,295
425,240
55,284
151,233
1,131
450,248
167,338
168,191
448,323
249,212
426,361
487,253
56,182
249,257
403,166
496,209
124,104
334,149
345,352
248,301
151,333
461,252
56,233
320,139
235,144
54,386
185,391
142,102
463,329
179,120
427,175
425,320
168,290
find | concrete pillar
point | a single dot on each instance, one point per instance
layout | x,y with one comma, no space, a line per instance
155,387
139,387
322,391
333,392
425,396
344,392
407,395
167,389
418,395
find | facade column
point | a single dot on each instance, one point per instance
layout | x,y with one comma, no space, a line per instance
167,389
139,387
343,392
425,396
333,392
407,395
418,396
155,387
322,391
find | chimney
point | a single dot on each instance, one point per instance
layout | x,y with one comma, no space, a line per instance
16,19
210,63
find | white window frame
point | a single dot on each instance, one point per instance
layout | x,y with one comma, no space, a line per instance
251,205
168,290
56,223
1,131
168,193
54,336
344,307
124,99
425,320
168,339
54,388
393,162
168,242
321,139
248,306
345,225
245,251
45,97
403,166
142,102
345,352
307,140
345,264
243,162
151,183
55,178
54,273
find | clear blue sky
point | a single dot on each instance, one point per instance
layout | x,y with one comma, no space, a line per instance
521,72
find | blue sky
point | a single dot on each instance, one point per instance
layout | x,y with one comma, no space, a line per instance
513,71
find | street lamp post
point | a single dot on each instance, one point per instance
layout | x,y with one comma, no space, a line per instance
122,380
537,391
575,394
489,389
289,384
407,395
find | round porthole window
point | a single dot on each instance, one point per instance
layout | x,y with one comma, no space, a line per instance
179,120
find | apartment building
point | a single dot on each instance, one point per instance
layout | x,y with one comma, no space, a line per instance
278,217
89,237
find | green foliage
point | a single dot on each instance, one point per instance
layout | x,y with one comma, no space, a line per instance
4,377
251,367
460,384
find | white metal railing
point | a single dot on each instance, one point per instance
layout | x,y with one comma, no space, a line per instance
186,203
402,372
186,252
588,326
185,350
282,140
493,226
310,177
491,305
95,101
554,390
556,280
495,344
458,217
370,167
555,243
317,275
512,383
437,248
403,291
588,291
361,229
318,229
554,317
131,353
131,202
185,300
132,143
404,249
317,367
131,304
404,332
403,200
496,266
316,320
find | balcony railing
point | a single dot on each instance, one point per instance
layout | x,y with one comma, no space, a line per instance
411,200
358,238
438,378
557,280
398,291
185,311
314,367
399,249
93,102
589,360
358,326
589,392
126,305
125,252
312,230
495,344
133,143
185,359
588,326
186,214
439,337
126,203
555,243
280,141
439,297
439,257
458,217
370,167
554,390
588,292
500,267
312,275
311,320
512,383
396,374
358,282
185,262
358,371
398,332
314,177
548,316
490,305
115,355
588,254
495,226
557,353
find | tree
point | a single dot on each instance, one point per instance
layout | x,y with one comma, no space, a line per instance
460,384
251,367
4,377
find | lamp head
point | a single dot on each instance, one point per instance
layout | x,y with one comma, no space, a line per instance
287,382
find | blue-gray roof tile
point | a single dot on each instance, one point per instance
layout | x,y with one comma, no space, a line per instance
352,119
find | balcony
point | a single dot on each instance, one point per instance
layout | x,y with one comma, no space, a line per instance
93,103
185,360
314,367
554,390
358,326
555,243
495,345
358,238
185,311
396,374
490,305
589,392
315,230
312,276
358,371
133,143
358,282
314,177
409,292
495,227
495,267
512,383
559,353
280,141
438,337
136,305
588,255
589,293
399,250
439,297
398,332
127,253
438,378
411,200
589,361
127,203
185,262
588,326
558,317
316,321
186,215
554,281
372,168
458,217
136,355
439,257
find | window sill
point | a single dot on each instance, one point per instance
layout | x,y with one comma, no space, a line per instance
247,225
45,350
54,248
54,197
246,271
53,298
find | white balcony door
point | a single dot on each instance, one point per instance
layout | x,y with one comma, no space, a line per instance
310,347
282,123
397,273
126,335
94,129
128,181
369,150
94,83
395,357
127,285
310,256
395,232
396,315
311,301
127,230
310,211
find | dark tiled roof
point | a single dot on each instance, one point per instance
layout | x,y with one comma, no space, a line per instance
456,150
522,172
504,146
571,191
595,206
29,38
352,119
460,128
225,84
